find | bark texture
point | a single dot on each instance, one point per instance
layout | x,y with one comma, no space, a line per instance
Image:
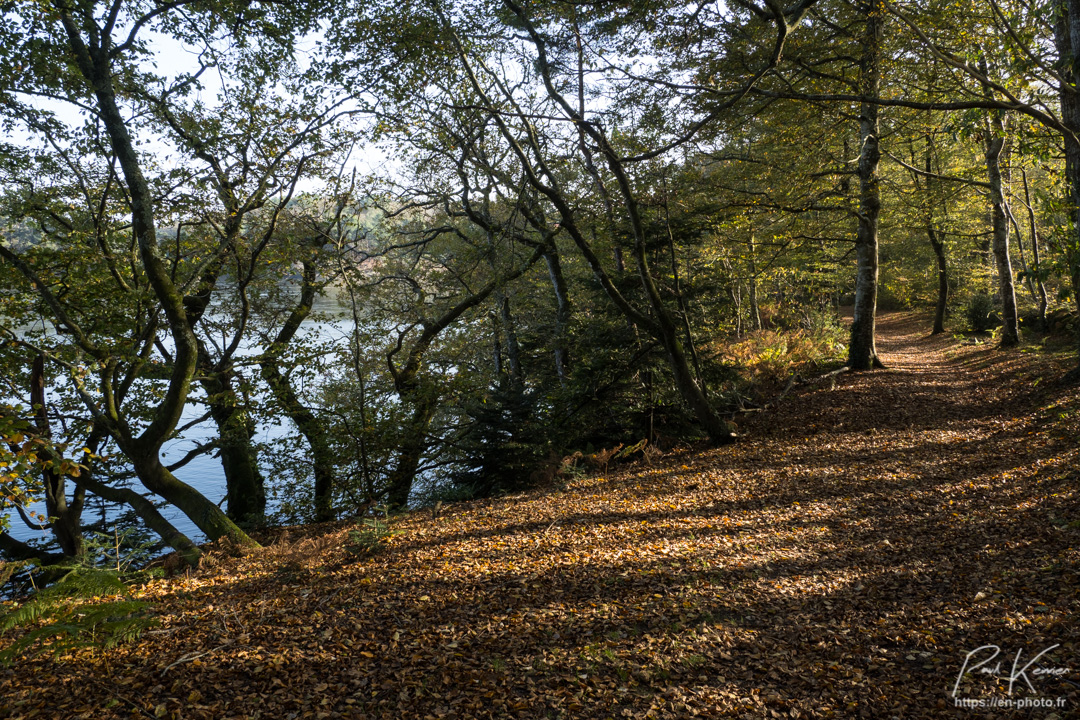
1067,39
1010,331
862,352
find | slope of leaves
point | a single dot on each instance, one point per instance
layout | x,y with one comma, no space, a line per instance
841,561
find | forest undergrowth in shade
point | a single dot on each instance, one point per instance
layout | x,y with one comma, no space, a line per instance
843,559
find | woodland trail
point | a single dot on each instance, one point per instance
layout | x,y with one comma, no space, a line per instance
840,561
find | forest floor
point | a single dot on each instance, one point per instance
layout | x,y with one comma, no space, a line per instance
842,560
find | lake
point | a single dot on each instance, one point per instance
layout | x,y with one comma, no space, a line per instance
204,473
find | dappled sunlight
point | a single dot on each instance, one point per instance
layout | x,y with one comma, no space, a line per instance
840,561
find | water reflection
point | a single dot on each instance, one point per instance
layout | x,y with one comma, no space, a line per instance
204,472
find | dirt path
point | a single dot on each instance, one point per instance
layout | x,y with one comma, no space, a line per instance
841,561
952,475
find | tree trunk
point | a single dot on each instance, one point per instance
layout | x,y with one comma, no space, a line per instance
411,450
496,345
1025,271
149,514
1010,330
684,312
513,349
65,519
620,263
734,291
1035,265
1067,40
995,149
322,458
18,550
667,333
313,431
862,352
562,314
205,514
664,325
755,310
244,484
142,506
935,242
943,280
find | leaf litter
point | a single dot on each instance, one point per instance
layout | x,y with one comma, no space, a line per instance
841,561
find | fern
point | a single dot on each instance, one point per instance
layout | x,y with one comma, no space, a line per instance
370,535
72,622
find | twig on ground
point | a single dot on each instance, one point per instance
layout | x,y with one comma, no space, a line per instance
188,658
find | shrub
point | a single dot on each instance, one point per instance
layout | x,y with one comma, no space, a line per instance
981,312
445,492
508,438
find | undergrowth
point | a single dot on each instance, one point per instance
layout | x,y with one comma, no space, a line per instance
370,535
89,605
768,357
86,607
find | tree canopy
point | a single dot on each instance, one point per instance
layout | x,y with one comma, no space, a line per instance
535,232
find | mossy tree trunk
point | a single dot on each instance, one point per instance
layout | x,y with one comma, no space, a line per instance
245,488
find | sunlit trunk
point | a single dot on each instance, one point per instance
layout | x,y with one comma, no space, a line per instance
862,352
1010,332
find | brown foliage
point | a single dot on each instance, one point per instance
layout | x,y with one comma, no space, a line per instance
839,562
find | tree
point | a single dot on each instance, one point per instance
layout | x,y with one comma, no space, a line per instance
1028,70
88,56
996,147
1067,74
549,117
438,305
862,353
